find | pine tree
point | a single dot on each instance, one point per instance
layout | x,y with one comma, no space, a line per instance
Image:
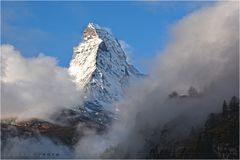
192,91
225,109
234,103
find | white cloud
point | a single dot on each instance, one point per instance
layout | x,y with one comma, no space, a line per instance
34,87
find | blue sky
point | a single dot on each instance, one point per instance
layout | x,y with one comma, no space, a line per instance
54,28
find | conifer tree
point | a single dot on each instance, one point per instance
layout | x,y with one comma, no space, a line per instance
225,109
234,103
192,91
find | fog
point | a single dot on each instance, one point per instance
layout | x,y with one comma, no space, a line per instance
204,53
40,147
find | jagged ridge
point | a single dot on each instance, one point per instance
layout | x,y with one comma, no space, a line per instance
100,67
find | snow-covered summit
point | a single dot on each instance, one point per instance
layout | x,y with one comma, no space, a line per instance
100,67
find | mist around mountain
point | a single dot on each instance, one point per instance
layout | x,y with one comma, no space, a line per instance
186,107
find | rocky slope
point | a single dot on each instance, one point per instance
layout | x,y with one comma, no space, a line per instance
100,67
102,73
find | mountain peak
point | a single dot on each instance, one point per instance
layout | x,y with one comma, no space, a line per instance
95,31
99,66
93,25
90,32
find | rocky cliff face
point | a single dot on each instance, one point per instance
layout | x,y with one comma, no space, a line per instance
100,68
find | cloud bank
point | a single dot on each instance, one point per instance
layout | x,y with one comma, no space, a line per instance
34,87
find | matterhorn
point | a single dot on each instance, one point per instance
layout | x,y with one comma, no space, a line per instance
100,68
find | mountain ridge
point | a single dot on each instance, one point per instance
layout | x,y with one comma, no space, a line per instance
100,67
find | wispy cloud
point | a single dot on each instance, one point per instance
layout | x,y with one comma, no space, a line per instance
128,49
